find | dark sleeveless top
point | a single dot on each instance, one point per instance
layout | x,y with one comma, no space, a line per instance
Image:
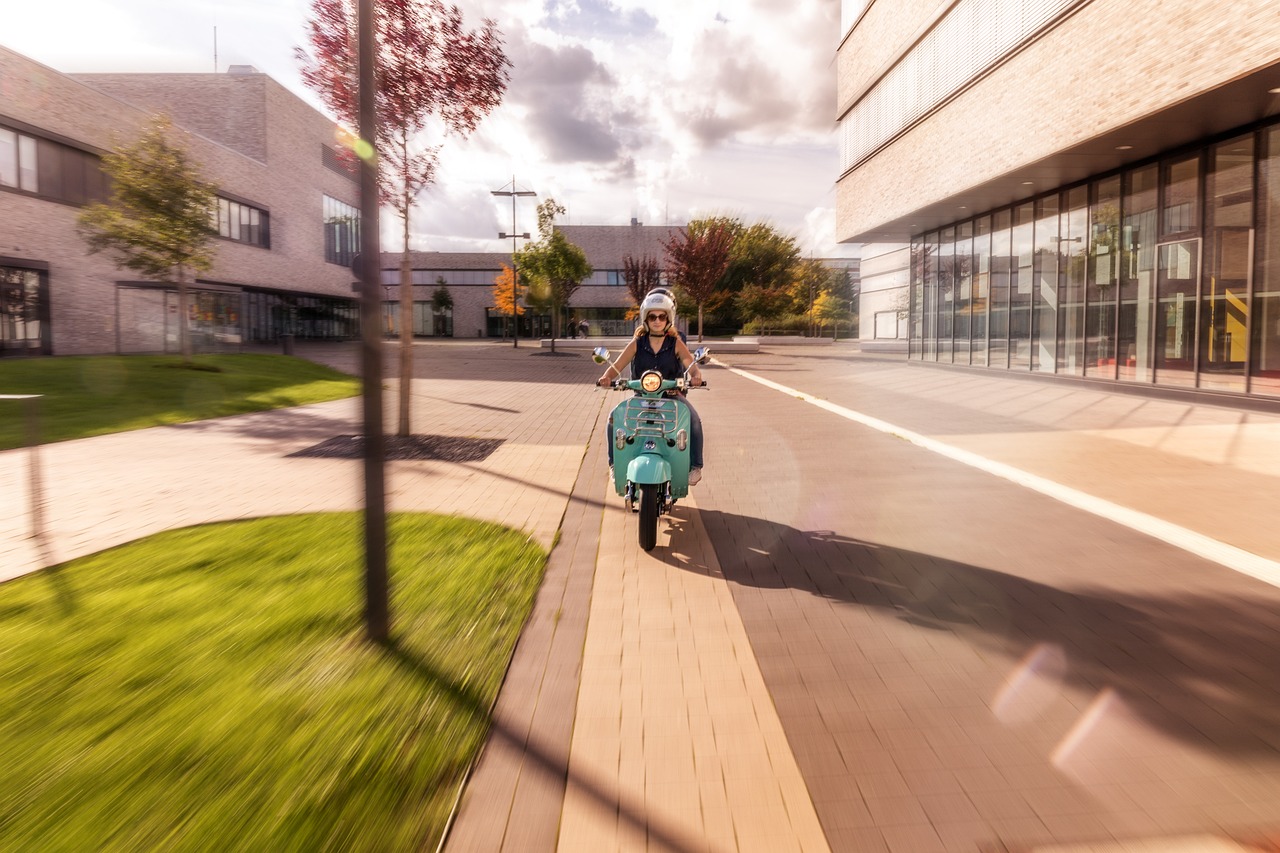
665,360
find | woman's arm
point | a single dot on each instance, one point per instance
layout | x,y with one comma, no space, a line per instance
614,370
686,359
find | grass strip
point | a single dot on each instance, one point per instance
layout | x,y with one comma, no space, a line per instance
96,395
210,688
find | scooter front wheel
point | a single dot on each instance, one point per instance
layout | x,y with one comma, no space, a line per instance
648,516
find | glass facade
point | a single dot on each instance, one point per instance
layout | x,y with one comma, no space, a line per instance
1167,274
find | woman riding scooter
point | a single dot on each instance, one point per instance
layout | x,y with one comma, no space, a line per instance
657,346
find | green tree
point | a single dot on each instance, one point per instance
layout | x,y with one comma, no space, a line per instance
762,256
157,222
441,303
554,266
760,303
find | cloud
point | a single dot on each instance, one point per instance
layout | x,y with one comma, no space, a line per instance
565,94
597,19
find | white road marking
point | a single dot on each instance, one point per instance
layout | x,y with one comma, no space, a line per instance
1221,553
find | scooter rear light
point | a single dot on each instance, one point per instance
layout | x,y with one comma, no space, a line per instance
620,439
682,440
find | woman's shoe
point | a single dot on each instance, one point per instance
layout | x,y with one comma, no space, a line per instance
695,476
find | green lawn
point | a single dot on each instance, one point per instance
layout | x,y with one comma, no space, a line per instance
95,395
210,688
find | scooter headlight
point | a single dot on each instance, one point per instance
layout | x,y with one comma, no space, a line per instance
682,440
651,381
620,439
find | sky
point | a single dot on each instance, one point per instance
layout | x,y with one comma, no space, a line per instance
658,110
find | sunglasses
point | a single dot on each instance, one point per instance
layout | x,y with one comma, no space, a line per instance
656,316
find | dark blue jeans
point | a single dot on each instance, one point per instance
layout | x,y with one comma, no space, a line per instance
695,436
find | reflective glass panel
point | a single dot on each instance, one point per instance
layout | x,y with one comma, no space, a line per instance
1228,232
1074,256
916,307
964,291
1103,271
1001,274
1177,277
946,292
1020,286
1044,291
981,290
1264,373
1137,237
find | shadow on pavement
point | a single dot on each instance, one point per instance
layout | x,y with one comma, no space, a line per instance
1200,667
465,361
548,761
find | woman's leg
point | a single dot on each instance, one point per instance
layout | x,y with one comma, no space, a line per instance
608,438
695,437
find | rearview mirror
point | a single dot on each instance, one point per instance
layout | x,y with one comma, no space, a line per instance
600,355
701,354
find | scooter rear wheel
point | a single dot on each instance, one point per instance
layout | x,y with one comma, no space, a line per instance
648,516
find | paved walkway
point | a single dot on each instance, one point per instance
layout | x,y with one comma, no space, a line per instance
809,660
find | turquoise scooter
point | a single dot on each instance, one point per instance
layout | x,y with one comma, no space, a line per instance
651,436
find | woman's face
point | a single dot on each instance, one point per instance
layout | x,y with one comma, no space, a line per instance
656,321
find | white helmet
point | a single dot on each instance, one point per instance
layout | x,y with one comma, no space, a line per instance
658,301
665,292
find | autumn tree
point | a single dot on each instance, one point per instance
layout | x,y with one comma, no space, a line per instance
697,258
830,308
554,266
158,219
506,296
810,280
432,73
640,275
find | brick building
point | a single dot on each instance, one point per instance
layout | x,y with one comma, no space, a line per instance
286,212
1085,188
602,301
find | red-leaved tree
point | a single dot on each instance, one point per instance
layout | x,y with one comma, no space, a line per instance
697,257
432,73
641,276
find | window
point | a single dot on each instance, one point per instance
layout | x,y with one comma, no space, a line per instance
341,231
23,310
17,160
50,169
241,222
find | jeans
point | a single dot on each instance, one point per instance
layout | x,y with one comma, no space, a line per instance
695,436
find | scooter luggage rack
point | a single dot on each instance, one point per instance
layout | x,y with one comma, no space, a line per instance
647,416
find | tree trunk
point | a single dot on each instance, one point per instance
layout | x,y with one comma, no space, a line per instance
406,324
699,322
555,322
184,335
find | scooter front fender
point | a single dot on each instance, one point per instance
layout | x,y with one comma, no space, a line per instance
649,468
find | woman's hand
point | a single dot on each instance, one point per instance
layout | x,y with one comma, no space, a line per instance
605,381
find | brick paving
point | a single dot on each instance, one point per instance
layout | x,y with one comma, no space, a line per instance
844,642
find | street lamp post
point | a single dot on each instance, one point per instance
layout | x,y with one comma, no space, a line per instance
515,272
